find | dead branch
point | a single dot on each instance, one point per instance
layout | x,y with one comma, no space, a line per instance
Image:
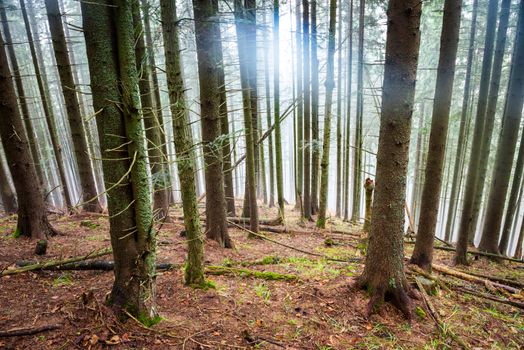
18,332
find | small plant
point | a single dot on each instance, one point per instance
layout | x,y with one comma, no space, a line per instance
149,321
63,280
263,292
420,312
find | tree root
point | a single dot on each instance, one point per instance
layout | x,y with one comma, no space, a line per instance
396,293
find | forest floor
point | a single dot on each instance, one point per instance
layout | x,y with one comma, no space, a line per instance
320,310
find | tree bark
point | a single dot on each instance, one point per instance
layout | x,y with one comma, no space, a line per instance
110,42
159,171
307,110
340,199
461,149
85,169
7,193
250,131
384,271
300,112
357,163
507,143
423,252
216,220
467,223
330,85
348,113
315,143
194,270
32,219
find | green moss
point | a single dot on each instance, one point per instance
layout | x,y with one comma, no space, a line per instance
16,233
89,224
272,276
149,321
420,312
63,280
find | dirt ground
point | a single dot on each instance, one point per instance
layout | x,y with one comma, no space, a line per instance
320,310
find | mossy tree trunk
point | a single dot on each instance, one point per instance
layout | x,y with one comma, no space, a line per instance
32,219
81,150
330,85
384,269
216,220
109,35
506,144
159,170
249,130
194,273
468,225
423,252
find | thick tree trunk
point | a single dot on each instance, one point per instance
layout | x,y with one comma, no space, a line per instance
330,85
307,110
159,170
85,169
216,219
315,143
507,143
43,88
250,136
347,150
357,163
276,98
461,149
32,219
489,122
384,271
110,41
467,223
194,270
423,252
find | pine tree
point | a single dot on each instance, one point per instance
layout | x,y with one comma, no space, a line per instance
307,110
384,272
315,139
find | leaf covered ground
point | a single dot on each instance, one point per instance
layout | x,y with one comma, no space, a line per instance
319,310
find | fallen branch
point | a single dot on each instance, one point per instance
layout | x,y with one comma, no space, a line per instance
434,315
476,252
55,263
18,332
490,297
471,278
505,281
297,249
266,275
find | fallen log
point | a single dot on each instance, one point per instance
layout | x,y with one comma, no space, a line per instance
502,280
476,252
471,278
18,332
54,263
490,297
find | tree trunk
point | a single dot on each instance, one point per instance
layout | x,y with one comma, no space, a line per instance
507,143
300,114
251,195
369,186
85,169
7,193
348,113
194,270
32,219
467,223
384,271
23,102
357,163
159,170
340,199
216,219
307,110
330,85
461,149
423,252
276,102
43,88
271,169
114,83
315,143
491,110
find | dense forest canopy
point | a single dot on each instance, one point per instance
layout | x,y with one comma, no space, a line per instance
378,143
